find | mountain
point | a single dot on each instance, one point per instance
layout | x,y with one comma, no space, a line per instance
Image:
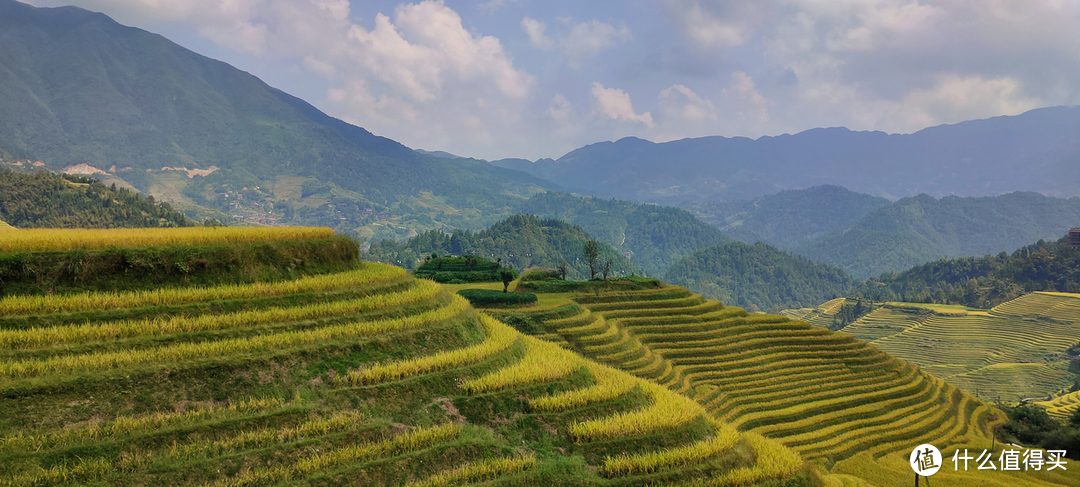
1035,151
653,237
46,200
81,89
789,218
922,229
519,241
759,276
867,235
984,282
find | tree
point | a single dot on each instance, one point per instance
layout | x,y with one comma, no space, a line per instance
563,269
507,275
592,255
606,269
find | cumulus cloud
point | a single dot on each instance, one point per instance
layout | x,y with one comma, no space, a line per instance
614,104
580,41
681,103
535,30
895,64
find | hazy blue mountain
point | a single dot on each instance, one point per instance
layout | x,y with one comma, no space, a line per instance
789,218
759,275
77,87
1035,151
922,229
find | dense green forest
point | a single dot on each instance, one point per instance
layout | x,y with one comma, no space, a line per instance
914,231
983,282
790,218
47,200
519,241
867,236
759,277
654,236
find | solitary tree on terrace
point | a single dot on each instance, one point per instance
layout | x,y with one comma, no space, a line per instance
592,256
507,276
563,270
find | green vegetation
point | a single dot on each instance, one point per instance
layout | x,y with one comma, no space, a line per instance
121,269
788,219
45,200
984,282
654,236
363,377
519,241
481,297
1030,425
868,236
456,270
759,276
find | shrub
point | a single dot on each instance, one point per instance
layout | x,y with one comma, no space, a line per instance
540,274
488,296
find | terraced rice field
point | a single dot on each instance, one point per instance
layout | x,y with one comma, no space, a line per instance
826,395
820,316
1009,353
362,378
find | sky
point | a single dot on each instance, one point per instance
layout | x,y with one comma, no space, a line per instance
528,78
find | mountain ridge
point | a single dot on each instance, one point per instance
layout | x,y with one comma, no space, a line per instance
1033,151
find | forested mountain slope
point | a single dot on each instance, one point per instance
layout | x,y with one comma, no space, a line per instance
654,236
519,241
921,229
759,276
78,88
984,282
790,218
867,236
46,200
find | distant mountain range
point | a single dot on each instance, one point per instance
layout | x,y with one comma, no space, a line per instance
1035,151
867,236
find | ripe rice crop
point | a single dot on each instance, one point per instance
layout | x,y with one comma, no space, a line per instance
124,425
646,463
543,362
773,461
408,442
499,338
67,334
54,239
667,411
340,422
370,274
477,472
184,351
609,384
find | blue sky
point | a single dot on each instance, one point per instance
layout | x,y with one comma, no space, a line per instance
525,78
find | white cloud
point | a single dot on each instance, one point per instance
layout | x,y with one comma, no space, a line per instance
581,41
681,103
535,30
614,104
493,5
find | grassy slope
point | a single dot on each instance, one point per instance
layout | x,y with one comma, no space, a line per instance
835,400
1011,352
87,406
